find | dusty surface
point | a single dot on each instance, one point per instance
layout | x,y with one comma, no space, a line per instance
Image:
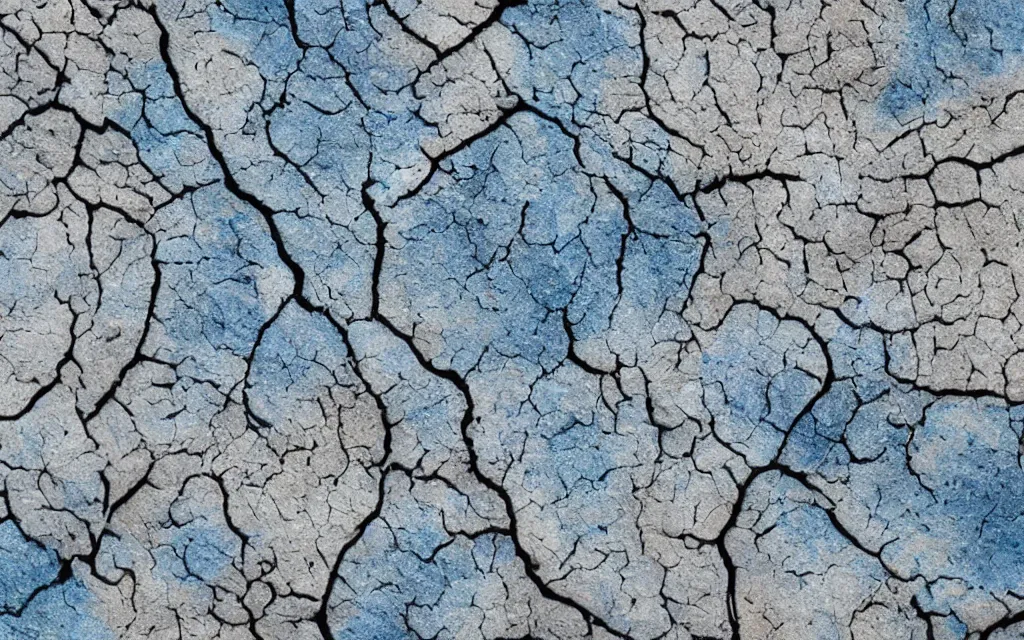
530,319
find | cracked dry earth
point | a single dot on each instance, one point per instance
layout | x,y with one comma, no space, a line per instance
558,319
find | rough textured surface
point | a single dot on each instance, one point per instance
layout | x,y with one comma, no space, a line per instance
681,319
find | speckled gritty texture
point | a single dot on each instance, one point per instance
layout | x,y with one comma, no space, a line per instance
511,319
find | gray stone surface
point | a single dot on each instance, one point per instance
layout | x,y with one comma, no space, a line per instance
551,319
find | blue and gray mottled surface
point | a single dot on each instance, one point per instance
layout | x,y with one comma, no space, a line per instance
492,319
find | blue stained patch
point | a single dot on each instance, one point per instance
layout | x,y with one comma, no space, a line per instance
59,612
24,567
948,46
